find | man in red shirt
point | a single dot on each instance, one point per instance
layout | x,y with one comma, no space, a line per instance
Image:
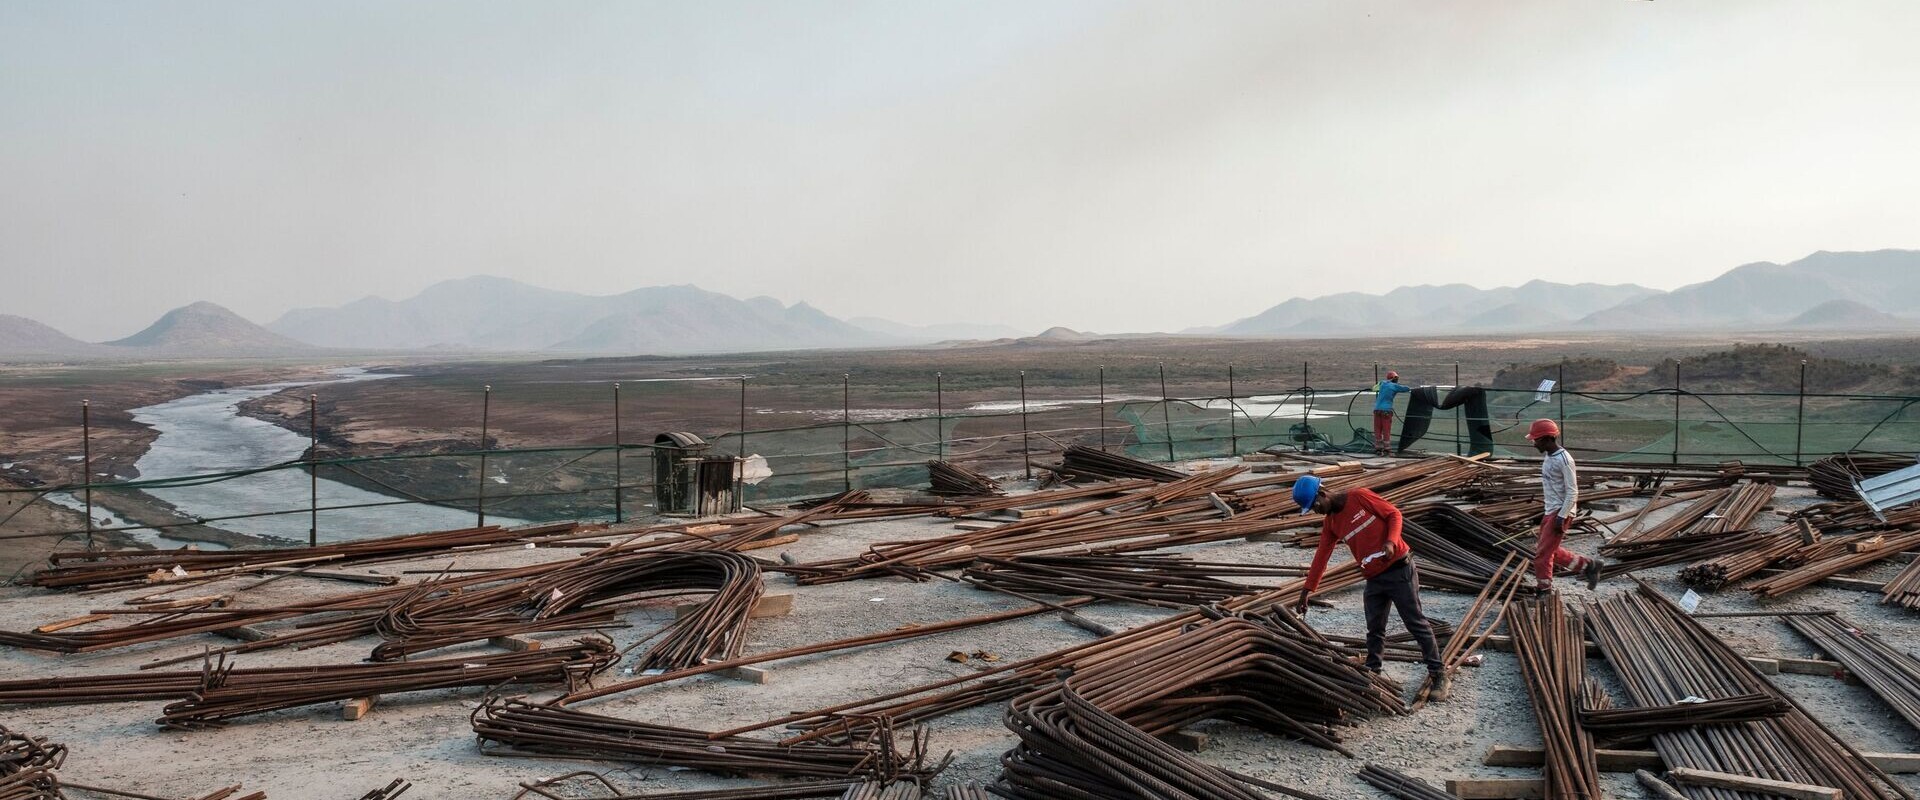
1370,528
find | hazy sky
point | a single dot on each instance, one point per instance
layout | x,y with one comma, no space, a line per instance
1103,165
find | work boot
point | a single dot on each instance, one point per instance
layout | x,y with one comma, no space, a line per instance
1592,573
1439,687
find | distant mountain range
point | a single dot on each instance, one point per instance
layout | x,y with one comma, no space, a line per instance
1856,291
1860,291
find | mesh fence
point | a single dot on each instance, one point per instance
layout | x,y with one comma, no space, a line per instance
384,495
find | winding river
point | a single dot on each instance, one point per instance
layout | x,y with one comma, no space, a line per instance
205,433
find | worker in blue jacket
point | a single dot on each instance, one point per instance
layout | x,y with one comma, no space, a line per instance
1383,413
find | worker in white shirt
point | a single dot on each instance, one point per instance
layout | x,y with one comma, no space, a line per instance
1561,487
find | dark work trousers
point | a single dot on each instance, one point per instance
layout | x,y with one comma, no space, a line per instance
1399,587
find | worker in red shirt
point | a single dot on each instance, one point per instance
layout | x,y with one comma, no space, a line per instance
1370,528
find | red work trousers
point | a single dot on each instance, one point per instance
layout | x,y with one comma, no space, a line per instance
1383,430
1549,553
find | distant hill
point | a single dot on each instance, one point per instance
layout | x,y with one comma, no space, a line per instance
489,313
1848,315
1766,293
20,337
1535,304
207,329
935,333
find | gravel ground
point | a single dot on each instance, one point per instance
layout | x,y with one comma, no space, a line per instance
424,737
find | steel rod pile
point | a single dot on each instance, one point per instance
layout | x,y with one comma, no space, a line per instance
226,693
27,765
948,478
1850,554
1663,657
1467,530
1729,568
1904,589
1552,652
1448,566
526,728
101,568
1086,462
1890,673
1171,581
1834,476
877,790
799,790
1401,785
1620,725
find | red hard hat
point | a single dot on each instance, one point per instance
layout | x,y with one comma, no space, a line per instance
1543,427
1393,376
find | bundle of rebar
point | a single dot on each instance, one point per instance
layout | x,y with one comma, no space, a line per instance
1446,565
1904,589
1891,673
1612,726
1166,581
100,568
398,787
1552,652
798,790
1740,564
1834,476
527,728
1663,657
948,478
1401,785
1467,529
1080,462
1482,618
878,790
1859,551
27,765
966,791
226,693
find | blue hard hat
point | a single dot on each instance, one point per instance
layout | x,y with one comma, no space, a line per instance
1304,490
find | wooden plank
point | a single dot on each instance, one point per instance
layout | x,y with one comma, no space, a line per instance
1748,783
975,526
1895,763
88,619
1509,755
1767,666
245,633
771,605
358,707
518,644
747,674
763,544
1187,741
1497,788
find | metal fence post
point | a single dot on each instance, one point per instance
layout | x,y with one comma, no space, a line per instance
1800,419
1102,425
846,431
1026,448
1560,390
1459,418
480,494
86,462
1306,405
1166,414
1676,411
1233,409
940,414
313,470
743,437
619,485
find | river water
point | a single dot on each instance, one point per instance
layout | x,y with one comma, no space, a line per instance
205,433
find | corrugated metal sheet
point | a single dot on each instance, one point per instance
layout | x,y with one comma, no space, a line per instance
1884,493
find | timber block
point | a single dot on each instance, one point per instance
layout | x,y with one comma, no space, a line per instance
518,644
356,707
1269,467
1186,741
763,544
771,605
971,525
1259,458
1497,788
747,674
244,633
1508,755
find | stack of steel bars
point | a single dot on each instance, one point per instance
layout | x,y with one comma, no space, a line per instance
27,765
1086,462
1889,672
1834,476
1481,619
879,790
527,728
798,790
1838,556
1744,562
226,693
1904,589
1552,653
102,568
1446,565
398,787
1401,785
947,478
1663,657
1611,726
1167,581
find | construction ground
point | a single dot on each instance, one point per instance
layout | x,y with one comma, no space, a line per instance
857,566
